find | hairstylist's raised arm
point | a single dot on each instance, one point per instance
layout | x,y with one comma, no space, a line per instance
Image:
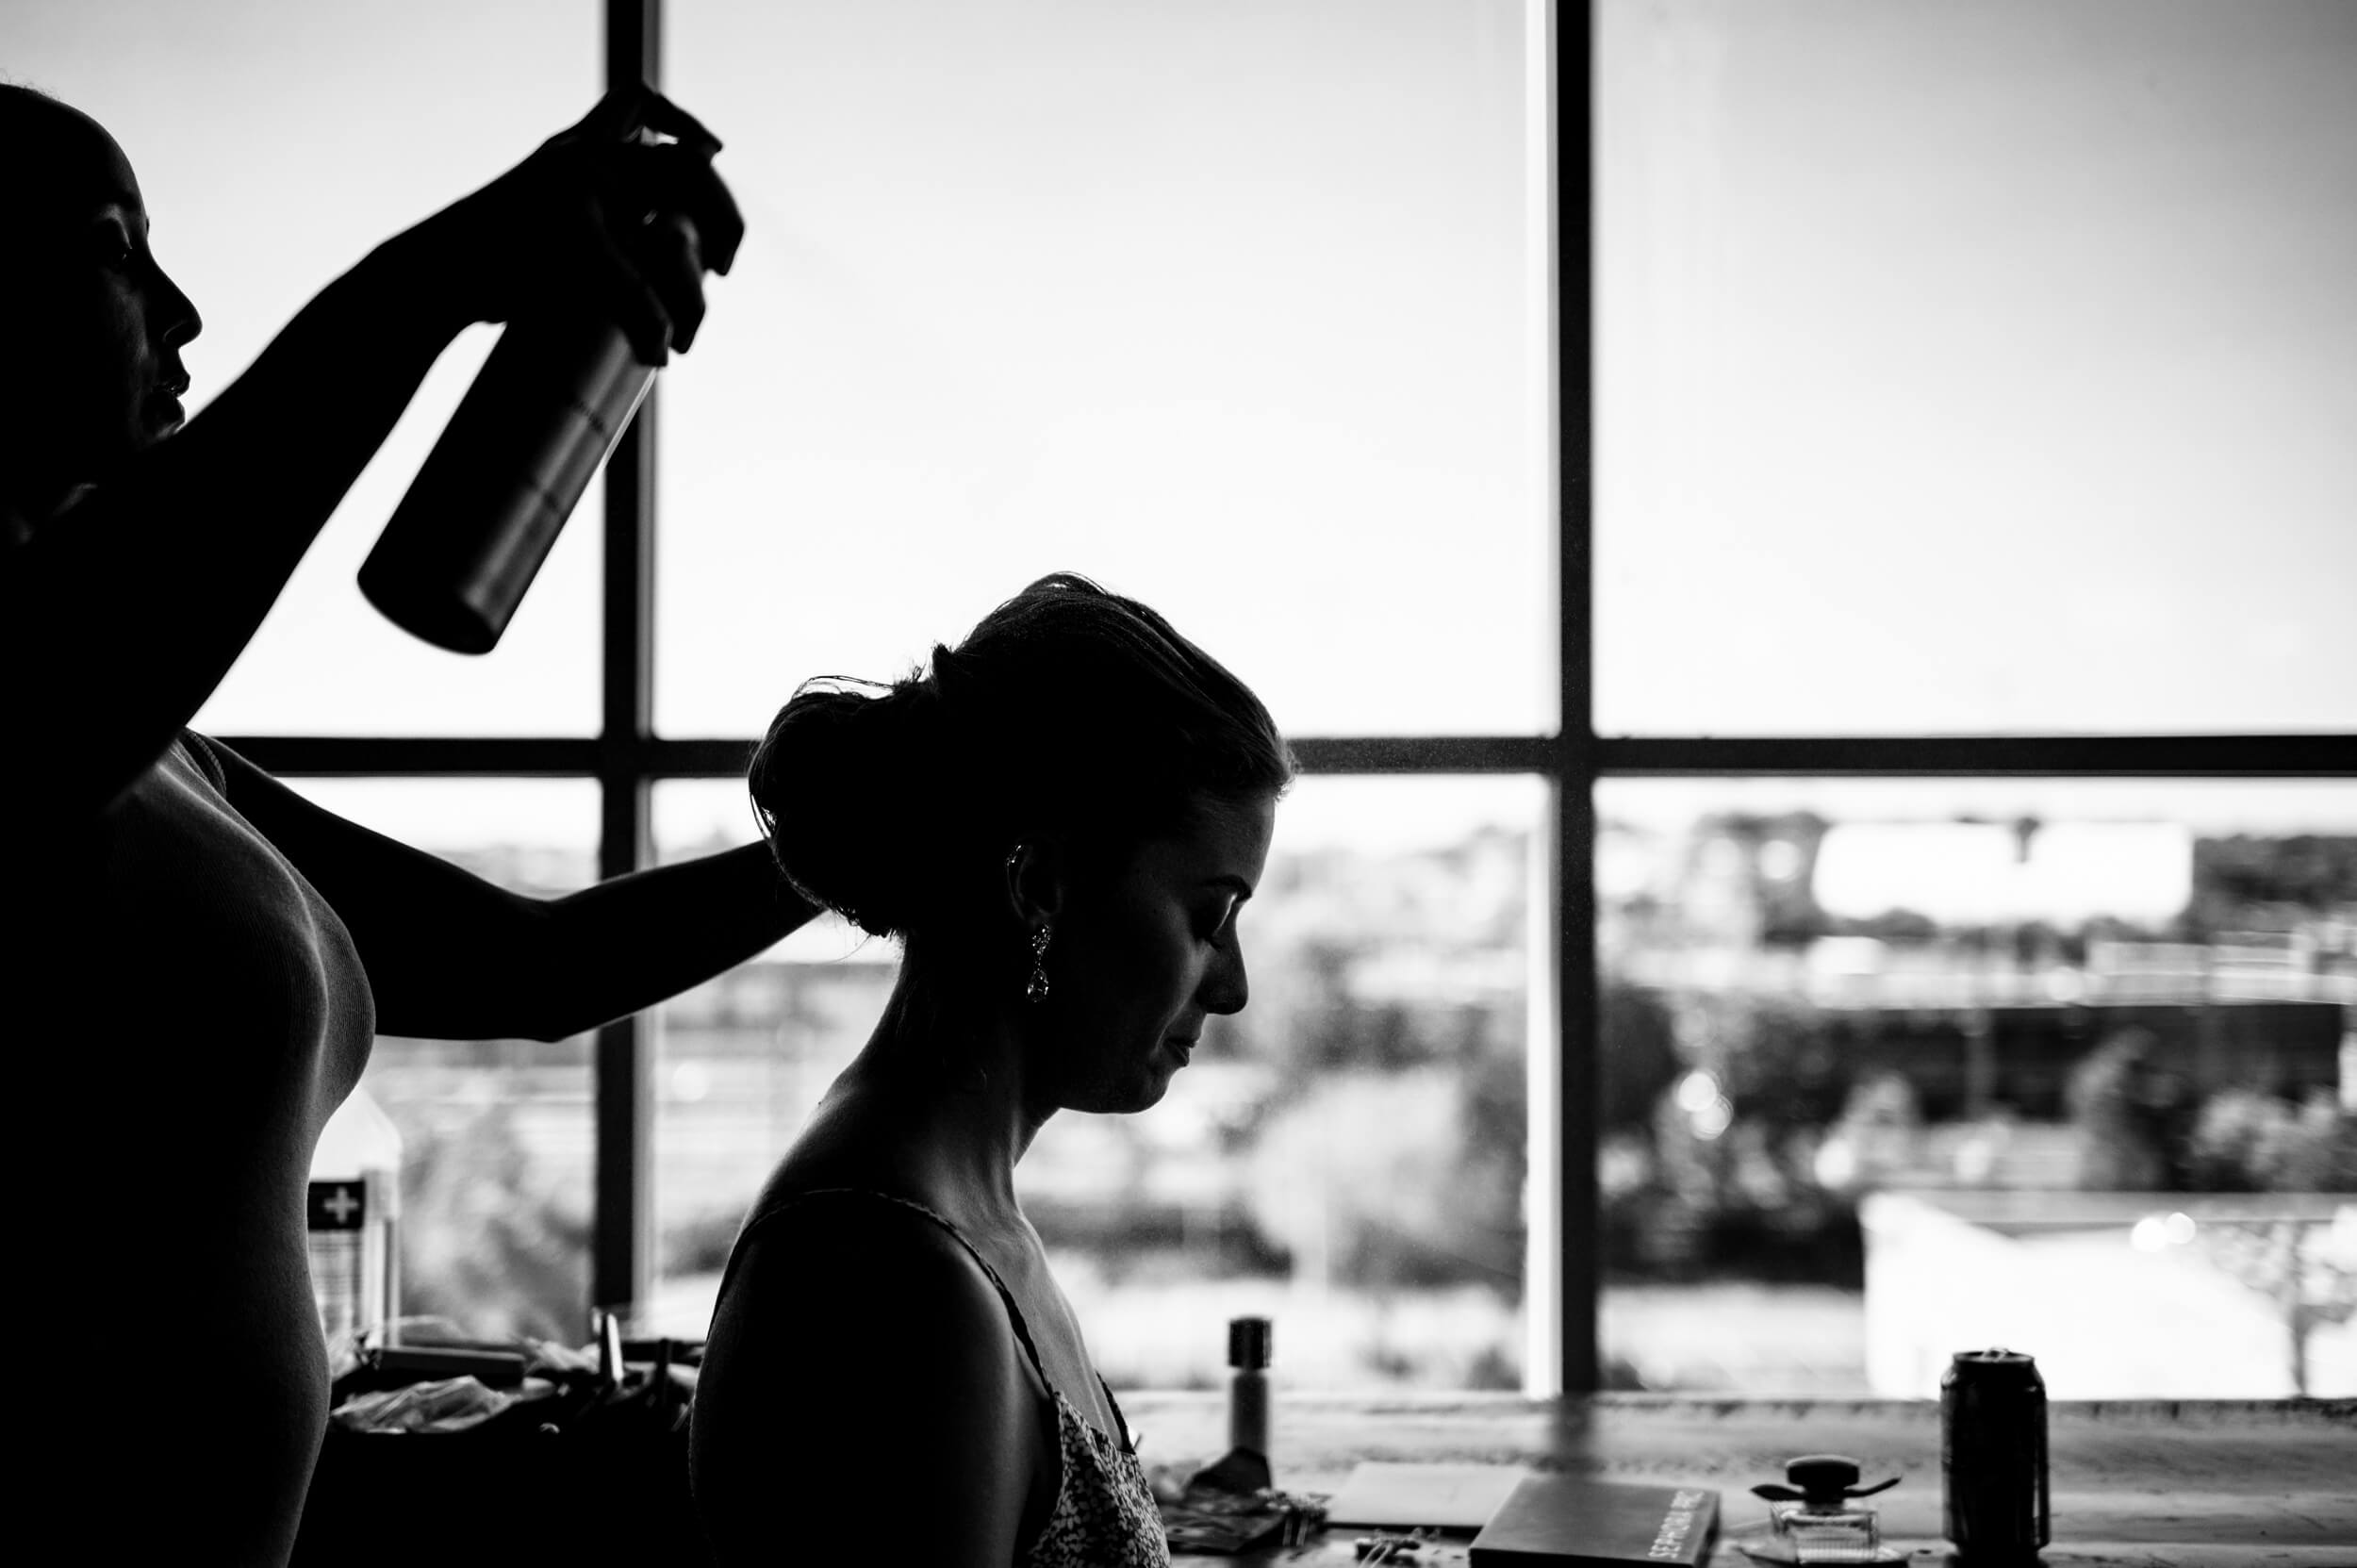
137,589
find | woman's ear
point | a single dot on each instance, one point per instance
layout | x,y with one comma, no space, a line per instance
1038,869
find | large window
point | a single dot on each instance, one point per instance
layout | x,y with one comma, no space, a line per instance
1783,811
498,1137
1968,386
1346,1155
1224,306
1974,369
1895,1067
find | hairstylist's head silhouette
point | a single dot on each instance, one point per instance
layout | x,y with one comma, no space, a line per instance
92,324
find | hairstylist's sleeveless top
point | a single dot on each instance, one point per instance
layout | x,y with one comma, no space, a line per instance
1104,1515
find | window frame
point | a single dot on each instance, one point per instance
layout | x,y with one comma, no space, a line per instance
627,758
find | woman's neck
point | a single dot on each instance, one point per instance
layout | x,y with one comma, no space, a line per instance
950,1083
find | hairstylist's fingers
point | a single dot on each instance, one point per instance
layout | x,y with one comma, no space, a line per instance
673,178
607,120
670,262
614,116
662,115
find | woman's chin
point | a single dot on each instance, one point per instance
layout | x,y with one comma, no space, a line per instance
160,415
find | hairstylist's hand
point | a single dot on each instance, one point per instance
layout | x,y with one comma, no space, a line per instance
601,216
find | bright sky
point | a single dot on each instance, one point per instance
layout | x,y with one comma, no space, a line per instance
1977,367
1222,305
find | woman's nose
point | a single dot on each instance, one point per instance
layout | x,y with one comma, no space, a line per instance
176,311
1225,987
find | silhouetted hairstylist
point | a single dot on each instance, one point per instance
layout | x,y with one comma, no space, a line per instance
202,957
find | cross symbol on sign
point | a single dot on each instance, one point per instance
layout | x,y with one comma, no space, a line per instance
342,1205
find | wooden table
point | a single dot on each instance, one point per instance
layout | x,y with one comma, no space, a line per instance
2159,1484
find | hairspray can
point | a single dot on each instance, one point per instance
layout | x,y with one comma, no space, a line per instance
546,409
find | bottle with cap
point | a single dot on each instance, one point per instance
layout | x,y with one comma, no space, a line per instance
483,513
1249,1342
353,1216
1812,1518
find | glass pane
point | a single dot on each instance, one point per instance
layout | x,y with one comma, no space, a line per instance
275,144
1975,368
498,1137
1899,1068
1222,305
1387,957
741,1060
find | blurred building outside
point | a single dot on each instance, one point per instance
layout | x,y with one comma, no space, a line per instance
1347,1156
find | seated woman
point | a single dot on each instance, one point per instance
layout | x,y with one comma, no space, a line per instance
1060,823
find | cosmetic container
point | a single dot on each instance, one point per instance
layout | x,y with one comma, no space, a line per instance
1816,1518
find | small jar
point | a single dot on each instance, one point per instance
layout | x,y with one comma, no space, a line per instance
1833,1533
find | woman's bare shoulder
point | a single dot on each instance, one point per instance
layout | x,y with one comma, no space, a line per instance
859,1344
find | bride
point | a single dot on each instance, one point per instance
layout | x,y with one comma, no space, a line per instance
1061,821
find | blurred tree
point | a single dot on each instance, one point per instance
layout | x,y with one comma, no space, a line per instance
1370,1180
1640,1055
1778,1063
1878,1133
2315,872
489,1240
2133,1117
2247,1142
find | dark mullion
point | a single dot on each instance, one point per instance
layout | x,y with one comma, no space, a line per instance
1429,754
2179,756
622,1245
2287,756
1356,754
633,43
1578,1257
420,757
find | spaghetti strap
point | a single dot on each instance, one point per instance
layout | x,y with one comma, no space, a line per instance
1006,1297
1121,1421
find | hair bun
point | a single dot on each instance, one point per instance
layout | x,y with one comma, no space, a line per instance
1067,710
839,784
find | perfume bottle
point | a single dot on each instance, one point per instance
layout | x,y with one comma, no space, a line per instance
1815,1520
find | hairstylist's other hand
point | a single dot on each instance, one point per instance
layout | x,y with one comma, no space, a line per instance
599,217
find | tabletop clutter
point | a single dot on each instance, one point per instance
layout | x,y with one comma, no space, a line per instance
466,1453
451,1388
1992,1428
1993,1473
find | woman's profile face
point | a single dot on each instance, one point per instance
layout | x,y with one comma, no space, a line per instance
1140,960
93,327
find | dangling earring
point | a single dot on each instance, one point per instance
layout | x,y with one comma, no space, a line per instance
1035,990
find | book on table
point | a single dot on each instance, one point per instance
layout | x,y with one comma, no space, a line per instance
1577,1522
1400,1496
